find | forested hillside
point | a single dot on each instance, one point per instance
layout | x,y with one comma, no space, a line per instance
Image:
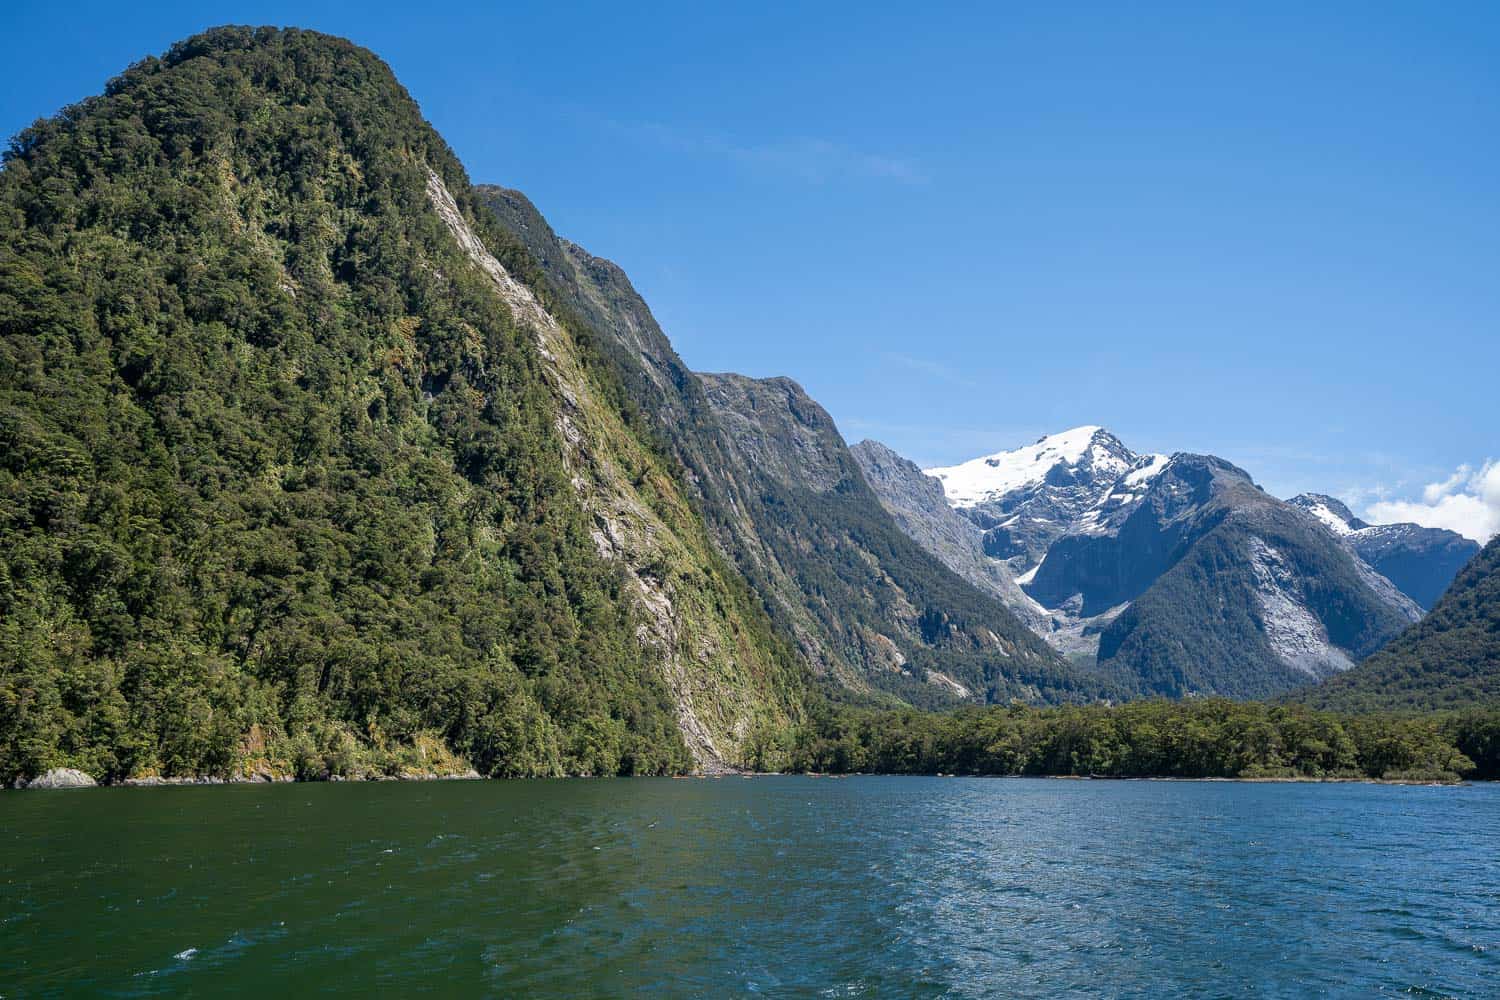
280,477
1449,659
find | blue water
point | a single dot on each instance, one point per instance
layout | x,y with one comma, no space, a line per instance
769,886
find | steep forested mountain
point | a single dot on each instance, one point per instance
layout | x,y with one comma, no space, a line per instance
297,473
1450,659
788,504
1176,572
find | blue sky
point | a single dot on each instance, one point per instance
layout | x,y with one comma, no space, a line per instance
1265,231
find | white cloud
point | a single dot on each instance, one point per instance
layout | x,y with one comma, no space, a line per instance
1467,502
1432,493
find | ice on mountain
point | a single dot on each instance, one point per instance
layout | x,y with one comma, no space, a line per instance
990,476
1147,472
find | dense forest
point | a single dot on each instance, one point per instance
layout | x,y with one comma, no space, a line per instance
279,485
1209,738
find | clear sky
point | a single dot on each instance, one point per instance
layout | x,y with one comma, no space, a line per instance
1265,231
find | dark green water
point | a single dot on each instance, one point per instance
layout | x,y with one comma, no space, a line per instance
772,886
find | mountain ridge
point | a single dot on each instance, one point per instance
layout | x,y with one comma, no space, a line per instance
1104,544
776,482
1420,561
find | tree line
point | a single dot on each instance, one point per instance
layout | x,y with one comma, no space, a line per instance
1201,738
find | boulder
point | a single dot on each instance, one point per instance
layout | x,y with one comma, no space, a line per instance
62,777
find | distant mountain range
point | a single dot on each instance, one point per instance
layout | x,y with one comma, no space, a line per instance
1176,571
1422,562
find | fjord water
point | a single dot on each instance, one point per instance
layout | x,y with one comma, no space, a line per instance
770,886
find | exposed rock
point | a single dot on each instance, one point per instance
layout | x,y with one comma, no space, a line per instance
777,429
1295,634
628,528
943,680
916,501
62,777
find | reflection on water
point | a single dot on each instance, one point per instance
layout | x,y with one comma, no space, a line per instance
772,886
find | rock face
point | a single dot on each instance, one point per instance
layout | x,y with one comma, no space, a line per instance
920,509
62,777
787,503
722,685
1178,572
776,429
1420,561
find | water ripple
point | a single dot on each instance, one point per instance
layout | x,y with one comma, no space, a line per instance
774,887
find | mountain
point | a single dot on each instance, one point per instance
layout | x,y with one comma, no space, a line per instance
1420,561
1178,572
867,608
1252,599
1450,659
917,503
304,467
1025,499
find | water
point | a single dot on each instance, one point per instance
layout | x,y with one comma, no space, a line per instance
773,886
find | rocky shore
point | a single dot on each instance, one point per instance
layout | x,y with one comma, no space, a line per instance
67,777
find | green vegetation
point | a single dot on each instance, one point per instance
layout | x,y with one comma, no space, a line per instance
1211,738
1448,660
279,484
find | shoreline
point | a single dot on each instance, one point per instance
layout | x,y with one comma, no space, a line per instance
266,779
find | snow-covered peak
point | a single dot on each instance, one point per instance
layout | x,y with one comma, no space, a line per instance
1334,515
992,476
1147,469
1335,523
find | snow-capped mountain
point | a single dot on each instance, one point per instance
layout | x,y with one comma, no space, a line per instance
1025,499
1080,455
1420,561
1176,570
1337,517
